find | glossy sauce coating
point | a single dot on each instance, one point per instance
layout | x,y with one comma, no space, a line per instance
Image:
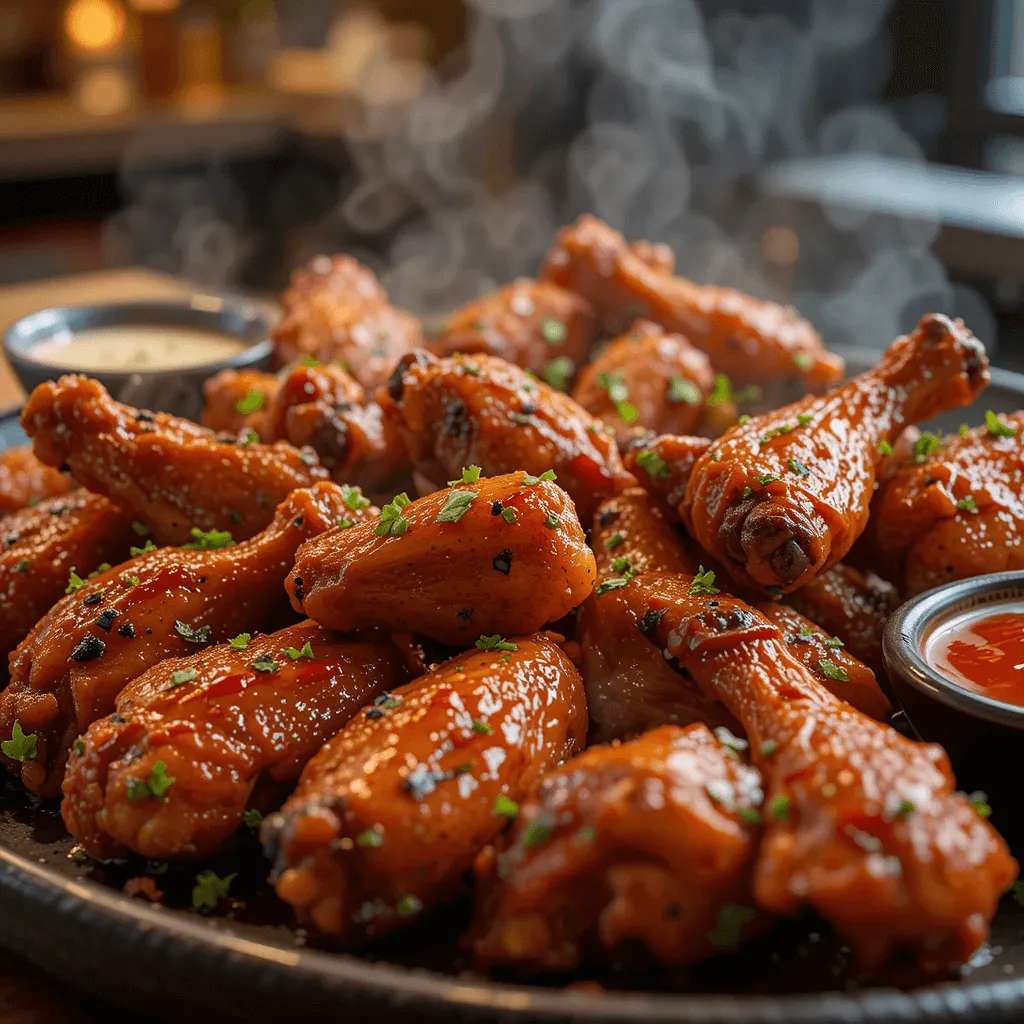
480,410
954,513
743,336
625,844
81,654
453,580
169,473
24,480
665,476
783,497
862,824
224,392
391,813
232,728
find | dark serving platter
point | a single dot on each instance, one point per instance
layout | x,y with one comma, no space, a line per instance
249,962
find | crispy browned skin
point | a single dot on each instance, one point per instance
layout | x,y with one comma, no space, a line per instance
630,687
783,497
851,605
666,476
335,309
624,844
453,581
479,410
745,337
79,656
172,475
232,737
648,379
40,546
862,824
24,480
528,323
955,513
226,390
393,810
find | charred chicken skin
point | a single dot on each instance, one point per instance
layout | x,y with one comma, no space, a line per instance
480,410
783,496
162,604
953,509
529,323
862,824
42,545
25,481
392,812
169,473
743,336
197,740
651,841
335,309
238,400
494,555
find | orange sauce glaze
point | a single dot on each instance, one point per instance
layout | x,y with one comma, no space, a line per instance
984,655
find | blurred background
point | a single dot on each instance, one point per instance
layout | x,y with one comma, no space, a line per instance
861,159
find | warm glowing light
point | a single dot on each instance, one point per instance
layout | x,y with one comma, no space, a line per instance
154,6
103,91
96,26
780,245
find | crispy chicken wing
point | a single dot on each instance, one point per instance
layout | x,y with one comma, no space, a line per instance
335,309
862,824
496,555
392,811
952,510
663,465
651,841
649,379
529,323
109,629
25,481
196,740
483,411
744,337
783,497
171,474
42,545
238,400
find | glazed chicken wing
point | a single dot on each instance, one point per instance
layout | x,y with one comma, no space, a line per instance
529,323
744,337
42,545
496,555
953,509
197,740
783,496
391,813
172,475
862,825
335,309
238,400
165,603
483,411
25,481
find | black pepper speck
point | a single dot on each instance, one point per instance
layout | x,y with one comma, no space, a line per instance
466,613
503,562
106,619
299,591
89,648
375,713
93,598
127,630
496,508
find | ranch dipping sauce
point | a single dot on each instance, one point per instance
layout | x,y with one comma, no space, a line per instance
136,348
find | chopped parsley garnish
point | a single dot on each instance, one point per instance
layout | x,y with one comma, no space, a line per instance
520,419
253,818
830,670
252,401
409,905
833,641
343,523
370,839
964,430
20,747
766,479
784,428
240,642
353,498
145,550
729,741
266,664
201,635
979,801
552,331
927,444
210,889
75,582
653,463
455,507
614,583
558,373
751,815
805,419
614,541
906,807
967,504
731,920
552,522
248,437
305,651
209,540
615,385
996,427
682,390
480,726
470,475
141,529
748,491
101,568
802,361
392,522
156,785
505,807
620,564
495,643
23,565
779,808
547,475
884,448
509,515
536,834
704,582
797,467
721,391
182,676
744,419
768,747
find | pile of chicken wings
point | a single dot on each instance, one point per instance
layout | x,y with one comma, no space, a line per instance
527,599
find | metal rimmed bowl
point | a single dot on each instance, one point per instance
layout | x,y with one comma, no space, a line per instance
178,391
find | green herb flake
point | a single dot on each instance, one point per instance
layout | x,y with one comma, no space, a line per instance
353,498
830,670
141,529
766,479
343,523
370,839
210,889
20,747
805,419
209,540
509,515
906,807
743,420
22,566
305,651
552,331
481,727
979,801
253,818
620,564
75,582
495,643
240,642
768,747
181,677
200,635
552,522
884,448
803,361
682,390
704,582
392,522
614,541
548,475
409,905
101,568
248,437
729,925
470,475
996,427
747,492
926,445
721,391
536,834
964,430
614,583
155,786
456,506
780,807
967,504
653,463
252,401
558,373
266,664
797,467
505,807
751,815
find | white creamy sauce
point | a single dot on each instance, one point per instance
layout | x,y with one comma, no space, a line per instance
129,348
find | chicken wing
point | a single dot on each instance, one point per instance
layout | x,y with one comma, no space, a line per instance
335,309
42,545
744,337
483,411
649,379
651,842
783,496
238,400
496,555
954,509
391,813
25,481
172,475
197,740
111,628
862,824
529,323
663,465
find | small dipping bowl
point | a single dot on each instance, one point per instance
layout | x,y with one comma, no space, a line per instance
983,736
114,342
